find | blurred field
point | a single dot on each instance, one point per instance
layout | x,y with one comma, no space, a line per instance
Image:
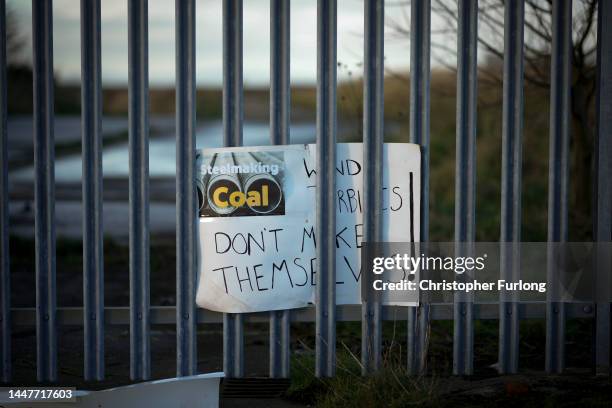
397,108
489,151
397,112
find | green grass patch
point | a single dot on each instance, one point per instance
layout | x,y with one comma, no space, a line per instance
389,387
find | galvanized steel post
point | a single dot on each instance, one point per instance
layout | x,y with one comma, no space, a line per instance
465,177
233,340
93,238
44,190
280,108
186,200
5,273
138,87
512,134
325,227
603,192
373,140
420,79
558,174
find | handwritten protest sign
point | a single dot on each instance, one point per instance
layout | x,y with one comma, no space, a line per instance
257,220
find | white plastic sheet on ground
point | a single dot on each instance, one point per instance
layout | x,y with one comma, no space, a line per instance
194,391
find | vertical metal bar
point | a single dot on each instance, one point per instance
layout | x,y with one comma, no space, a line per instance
373,139
140,358
275,343
186,214
465,176
558,169
44,190
412,339
512,134
5,273
420,79
325,364
93,244
233,342
228,349
285,339
603,195
280,91
232,73
280,101
239,345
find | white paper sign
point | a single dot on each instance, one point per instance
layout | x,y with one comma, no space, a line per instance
257,216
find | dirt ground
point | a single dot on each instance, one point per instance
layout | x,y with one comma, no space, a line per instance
163,359
576,388
117,338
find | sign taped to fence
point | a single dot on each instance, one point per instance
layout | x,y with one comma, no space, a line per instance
257,249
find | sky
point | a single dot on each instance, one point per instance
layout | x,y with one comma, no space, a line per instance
256,42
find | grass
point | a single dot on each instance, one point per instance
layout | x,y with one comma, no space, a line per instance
390,387
393,387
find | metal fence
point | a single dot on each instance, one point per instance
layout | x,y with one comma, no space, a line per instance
141,315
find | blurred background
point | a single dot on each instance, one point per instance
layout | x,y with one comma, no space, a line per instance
256,130
303,77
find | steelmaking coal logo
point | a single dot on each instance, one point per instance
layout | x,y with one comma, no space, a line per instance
240,184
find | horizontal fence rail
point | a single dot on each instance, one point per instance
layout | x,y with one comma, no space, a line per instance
94,316
167,314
